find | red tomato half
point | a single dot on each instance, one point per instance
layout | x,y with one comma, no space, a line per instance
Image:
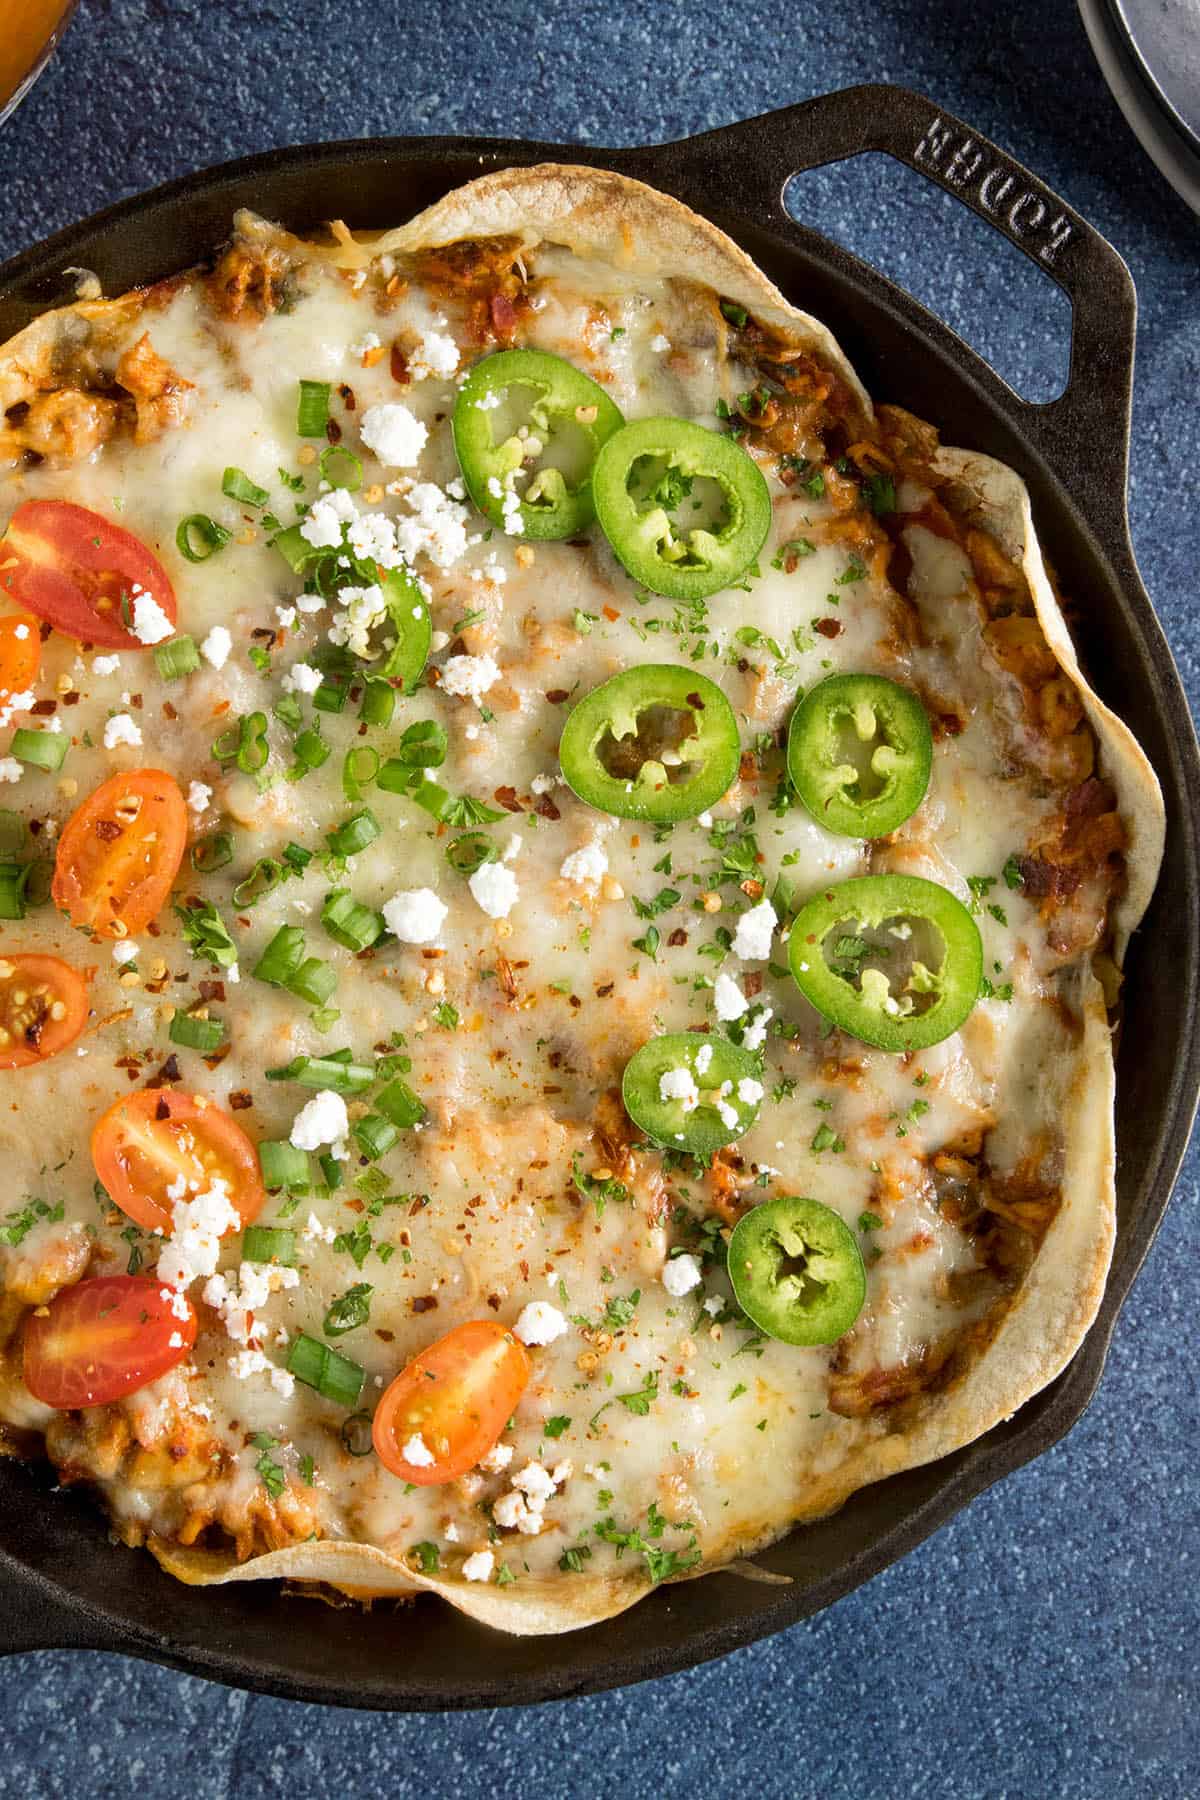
149,1139
119,853
457,1396
102,1339
74,568
43,1008
20,652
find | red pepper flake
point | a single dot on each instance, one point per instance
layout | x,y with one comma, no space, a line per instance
347,393
828,628
507,798
168,711
333,431
44,709
677,938
399,366
240,1100
212,990
545,807
556,696
752,984
106,830
611,614
424,1303
72,699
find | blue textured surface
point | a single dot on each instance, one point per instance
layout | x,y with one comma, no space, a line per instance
1045,1643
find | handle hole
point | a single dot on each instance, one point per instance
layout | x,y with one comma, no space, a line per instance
965,271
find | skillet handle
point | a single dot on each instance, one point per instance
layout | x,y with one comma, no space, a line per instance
1084,434
33,1616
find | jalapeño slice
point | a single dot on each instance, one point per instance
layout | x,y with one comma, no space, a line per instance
410,623
797,1270
685,510
692,1092
656,742
859,754
565,417
910,982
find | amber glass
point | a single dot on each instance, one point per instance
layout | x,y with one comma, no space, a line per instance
29,30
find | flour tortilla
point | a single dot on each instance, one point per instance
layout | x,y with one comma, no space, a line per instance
609,217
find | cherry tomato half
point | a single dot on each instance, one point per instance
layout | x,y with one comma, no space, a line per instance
119,853
102,1339
75,568
456,1396
20,654
43,1008
149,1139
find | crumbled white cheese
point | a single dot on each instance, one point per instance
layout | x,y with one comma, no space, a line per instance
713,1305
470,676
534,1482
678,1084
216,647
285,617
540,1323
11,769
436,526
749,1091
489,401
239,1299
495,889
435,354
755,1035
253,1362
125,952
680,1275
479,1567
105,665
121,729
150,623
660,344
497,1459
315,1232
322,525
199,795
510,513
197,1227
728,997
416,915
367,342
322,1121
728,1114
512,1512
394,433
302,678
755,929
586,866
417,1453
704,1056
361,609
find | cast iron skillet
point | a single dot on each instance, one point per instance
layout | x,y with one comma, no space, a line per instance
62,1582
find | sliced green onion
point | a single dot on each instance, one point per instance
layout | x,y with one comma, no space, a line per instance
325,1018
179,657
297,857
199,537
288,711
331,1170
42,749
332,695
283,1166
205,1035
423,745
400,1105
268,1244
352,480
467,853
353,926
313,981
375,1136
39,877
206,933
236,485
282,957
263,878
359,769
332,1374
378,703
295,548
212,852
312,411
311,751
358,831
245,743
343,1078
13,834
13,877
